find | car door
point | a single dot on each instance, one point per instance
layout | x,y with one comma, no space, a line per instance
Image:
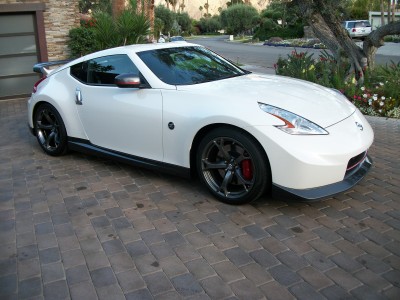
126,120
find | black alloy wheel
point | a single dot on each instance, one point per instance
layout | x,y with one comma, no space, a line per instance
50,130
233,166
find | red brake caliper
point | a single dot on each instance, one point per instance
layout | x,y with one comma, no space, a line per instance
246,169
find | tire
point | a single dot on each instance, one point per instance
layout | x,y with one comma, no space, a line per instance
50,130
232,165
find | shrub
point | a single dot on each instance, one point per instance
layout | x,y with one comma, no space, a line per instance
392,38
381,93
132,28
209,25
104,32
269,29
81,41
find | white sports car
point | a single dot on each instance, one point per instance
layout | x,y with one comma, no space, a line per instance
183,109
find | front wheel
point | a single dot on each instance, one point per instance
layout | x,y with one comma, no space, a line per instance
233,166
50,130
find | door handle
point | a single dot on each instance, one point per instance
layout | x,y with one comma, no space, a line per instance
78,96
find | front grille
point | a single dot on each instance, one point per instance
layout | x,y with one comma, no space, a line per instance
356,160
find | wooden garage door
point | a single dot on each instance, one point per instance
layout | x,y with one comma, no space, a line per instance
18,54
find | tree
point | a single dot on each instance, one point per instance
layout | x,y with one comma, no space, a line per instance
167,17
185,22
209,25
94,5
234,2
280,19
239,18
173,3
324,18
182,6
206,6
158,27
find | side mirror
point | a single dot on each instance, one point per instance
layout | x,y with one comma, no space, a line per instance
128,80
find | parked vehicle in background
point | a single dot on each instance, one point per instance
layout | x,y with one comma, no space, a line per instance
357,28
177,39
161,39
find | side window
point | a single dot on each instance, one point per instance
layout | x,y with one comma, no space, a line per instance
103,70
79,71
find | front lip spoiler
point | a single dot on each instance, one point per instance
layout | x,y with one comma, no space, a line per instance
314,194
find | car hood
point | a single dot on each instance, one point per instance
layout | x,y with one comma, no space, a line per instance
318,104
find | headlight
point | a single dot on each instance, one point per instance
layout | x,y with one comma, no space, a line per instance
294,124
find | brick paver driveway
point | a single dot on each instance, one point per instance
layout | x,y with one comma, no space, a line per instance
84,228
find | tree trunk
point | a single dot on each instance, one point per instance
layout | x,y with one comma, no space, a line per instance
139,6
321,16
382,13
118,7
330,31
375,40
394,11
151,17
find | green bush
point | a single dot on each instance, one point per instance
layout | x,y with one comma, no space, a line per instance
392,38
379,96
104,32
81,41
269,29
209,25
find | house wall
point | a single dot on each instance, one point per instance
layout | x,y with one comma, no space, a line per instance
375,18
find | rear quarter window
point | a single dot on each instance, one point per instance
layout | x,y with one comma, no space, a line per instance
79,71
103,70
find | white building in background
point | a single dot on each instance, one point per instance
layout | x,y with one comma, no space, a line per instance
375,18
192,6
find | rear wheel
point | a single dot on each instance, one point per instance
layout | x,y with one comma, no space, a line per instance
232,166
50,130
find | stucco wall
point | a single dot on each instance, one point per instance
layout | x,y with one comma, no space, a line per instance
59,17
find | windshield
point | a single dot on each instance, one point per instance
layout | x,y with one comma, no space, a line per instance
188,65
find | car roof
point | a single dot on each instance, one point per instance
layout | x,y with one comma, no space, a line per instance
357,21
130,49
137,48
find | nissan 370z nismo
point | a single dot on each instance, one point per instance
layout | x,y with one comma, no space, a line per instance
181,108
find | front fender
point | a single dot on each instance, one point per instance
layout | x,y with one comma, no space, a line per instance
188,120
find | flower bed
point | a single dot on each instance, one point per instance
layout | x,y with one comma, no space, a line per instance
297,43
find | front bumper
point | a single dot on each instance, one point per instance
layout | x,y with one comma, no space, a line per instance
326,191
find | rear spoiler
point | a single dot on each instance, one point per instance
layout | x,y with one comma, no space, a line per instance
41,68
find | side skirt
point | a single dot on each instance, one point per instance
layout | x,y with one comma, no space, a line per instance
84,146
